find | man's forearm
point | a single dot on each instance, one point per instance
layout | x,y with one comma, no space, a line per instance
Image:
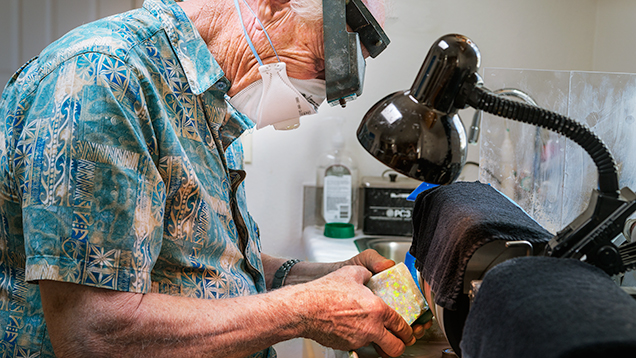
157,325
336,310
301,272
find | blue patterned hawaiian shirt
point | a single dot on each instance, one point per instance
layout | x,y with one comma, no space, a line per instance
120,169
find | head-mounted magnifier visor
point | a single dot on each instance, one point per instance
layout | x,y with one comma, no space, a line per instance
344,61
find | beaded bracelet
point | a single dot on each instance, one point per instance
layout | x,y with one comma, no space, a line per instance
281,273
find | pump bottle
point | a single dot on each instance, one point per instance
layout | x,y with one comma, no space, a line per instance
337,176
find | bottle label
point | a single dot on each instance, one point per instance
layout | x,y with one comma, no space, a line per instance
336,199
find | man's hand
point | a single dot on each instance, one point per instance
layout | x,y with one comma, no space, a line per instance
375,263
372,260
344,314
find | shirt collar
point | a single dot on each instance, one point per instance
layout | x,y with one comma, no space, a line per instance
201,69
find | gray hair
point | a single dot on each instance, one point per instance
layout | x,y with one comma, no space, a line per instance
308,10
311,10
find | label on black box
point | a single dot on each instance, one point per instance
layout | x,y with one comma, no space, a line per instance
389,213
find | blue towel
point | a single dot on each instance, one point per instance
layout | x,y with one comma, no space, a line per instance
550,308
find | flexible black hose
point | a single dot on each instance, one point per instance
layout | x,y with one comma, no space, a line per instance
482,99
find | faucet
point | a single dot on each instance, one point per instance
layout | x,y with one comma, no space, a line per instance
508,92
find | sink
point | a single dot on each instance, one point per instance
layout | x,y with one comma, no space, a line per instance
433,344
394,248
421,349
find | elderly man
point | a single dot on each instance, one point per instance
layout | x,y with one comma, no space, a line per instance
124,227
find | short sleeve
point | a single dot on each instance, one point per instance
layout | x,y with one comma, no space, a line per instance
91,193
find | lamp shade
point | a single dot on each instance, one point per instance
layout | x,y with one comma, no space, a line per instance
418,132
414,140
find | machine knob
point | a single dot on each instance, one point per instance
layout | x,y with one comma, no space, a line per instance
608,256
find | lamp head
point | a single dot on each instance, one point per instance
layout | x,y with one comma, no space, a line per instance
418,132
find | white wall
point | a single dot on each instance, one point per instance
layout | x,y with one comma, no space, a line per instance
614,48
539,34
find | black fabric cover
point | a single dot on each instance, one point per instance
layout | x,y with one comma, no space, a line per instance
451,222
548,307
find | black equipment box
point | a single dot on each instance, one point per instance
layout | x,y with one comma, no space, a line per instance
385,208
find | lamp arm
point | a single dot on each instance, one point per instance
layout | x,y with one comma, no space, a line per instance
590,236
482,99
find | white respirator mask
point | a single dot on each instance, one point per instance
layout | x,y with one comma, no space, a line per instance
276,99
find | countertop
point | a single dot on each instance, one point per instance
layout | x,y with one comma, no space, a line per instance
320,248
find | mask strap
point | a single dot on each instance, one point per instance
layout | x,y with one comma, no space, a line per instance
247,37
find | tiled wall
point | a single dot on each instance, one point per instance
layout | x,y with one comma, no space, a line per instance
27,26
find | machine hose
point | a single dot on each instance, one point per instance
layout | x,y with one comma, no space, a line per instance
482,99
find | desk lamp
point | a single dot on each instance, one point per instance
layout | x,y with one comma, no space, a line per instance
418,133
